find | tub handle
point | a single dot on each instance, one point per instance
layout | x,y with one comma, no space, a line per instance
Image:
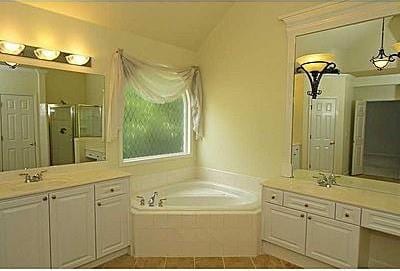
161,202
142,200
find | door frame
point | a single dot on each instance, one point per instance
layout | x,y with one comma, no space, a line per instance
309,130
318,18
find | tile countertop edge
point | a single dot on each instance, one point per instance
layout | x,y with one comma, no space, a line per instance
373,200
58,181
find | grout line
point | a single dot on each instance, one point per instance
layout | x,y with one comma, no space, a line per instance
252,261
165,262
194,264
223,262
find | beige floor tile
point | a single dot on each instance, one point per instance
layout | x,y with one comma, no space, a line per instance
150,262
267,261
125,261
180,262
238,262
209,262
289,265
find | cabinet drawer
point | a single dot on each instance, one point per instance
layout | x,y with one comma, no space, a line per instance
272,195
381,221
111,188
348,213
308,204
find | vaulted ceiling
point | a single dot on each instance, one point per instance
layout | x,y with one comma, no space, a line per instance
183,24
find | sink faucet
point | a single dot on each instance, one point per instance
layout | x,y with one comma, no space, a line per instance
33,178
152,199
326,180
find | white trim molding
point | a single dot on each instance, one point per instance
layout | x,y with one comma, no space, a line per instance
322,17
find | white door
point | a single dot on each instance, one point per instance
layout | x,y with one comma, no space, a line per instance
284,227
322,134
358,137
18,132
24,233
112,224
332,242
72,227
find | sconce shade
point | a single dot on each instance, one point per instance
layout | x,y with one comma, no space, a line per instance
12,48
46,54
396,47
315,62
77,59
12,65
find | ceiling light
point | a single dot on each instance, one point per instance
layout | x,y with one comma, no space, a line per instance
46,54
381,60
11,48
77,59
315,66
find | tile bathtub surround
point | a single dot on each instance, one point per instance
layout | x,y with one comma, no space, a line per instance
261,261
189,235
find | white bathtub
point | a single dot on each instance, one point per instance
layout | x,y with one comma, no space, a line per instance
200,196
199,218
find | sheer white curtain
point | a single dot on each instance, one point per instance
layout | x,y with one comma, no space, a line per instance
155,83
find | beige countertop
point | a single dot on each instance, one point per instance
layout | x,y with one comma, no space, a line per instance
353,196
13,185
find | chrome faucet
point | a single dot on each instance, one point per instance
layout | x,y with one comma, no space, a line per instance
33,178
326,180
152,199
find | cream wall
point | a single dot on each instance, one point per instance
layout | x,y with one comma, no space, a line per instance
66,86
25,24
243,63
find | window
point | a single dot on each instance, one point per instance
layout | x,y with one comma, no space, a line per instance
154,130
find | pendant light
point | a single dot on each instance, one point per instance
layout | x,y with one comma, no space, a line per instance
381,60
315,66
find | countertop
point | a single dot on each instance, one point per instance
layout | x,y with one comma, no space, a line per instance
13,185
353,196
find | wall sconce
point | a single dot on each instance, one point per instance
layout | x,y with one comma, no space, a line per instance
28,51
11,48
46,54
77,59
315,66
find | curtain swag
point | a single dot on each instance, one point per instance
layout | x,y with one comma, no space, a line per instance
155,83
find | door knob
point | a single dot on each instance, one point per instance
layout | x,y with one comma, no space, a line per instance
53,197
44,198
99,204
332,142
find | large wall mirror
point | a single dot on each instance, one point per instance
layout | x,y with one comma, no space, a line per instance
50,117
353,127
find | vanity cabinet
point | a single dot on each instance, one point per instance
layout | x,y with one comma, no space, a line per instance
24,232
66,228
308,226
112,217
72,225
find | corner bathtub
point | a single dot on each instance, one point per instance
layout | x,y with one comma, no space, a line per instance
200,196
203,219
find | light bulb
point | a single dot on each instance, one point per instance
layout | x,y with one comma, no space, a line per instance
46,54
77,59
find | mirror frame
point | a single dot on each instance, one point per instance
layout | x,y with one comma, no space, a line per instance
315,19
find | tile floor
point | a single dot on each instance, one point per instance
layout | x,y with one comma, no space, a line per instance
261,261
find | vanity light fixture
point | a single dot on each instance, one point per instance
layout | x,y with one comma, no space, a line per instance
46,54
11,48
381,60
77,59
315,66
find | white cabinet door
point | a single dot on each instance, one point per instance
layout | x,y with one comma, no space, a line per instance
284,227
24,233
72,226
332,242
112,224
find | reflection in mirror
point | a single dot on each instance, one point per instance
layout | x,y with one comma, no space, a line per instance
352,128
50,117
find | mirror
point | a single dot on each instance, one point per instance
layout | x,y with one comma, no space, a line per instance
353,127
50,117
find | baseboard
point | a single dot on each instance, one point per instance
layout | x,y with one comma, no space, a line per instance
106,258
290,256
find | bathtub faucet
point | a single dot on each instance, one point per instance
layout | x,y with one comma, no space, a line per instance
152,199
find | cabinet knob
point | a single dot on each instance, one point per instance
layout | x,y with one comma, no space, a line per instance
45,198
99,204
302,215
309,218
112,189
306,205
273,197
53,197
347,215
